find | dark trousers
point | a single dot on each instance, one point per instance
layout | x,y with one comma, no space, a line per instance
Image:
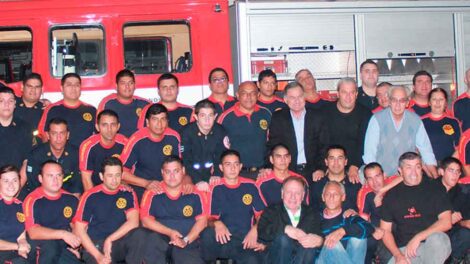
50,251
212,250
372,244
129,248
162,252
460,241
285,250
11,256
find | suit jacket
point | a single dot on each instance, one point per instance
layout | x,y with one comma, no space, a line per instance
274,220
316,139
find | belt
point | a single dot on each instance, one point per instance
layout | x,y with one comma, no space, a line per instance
301,166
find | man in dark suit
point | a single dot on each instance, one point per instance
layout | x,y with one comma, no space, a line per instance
291,229
302,130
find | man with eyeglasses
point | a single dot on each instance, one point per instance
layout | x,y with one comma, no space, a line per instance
394,131
218,83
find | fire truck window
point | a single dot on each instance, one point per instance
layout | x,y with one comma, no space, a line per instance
15,54
78,49
157,47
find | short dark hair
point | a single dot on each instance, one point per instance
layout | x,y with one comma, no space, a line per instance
229,152
70,75
50,162
266,73
437,90
277,146
292,85
7,90
58,121
336,146
110,161
124,73
408,156
368,61
217,70
172,158
206,103
373,165
32,76
167,76
449,160
300,180
156,109
107,112
9,168
421,73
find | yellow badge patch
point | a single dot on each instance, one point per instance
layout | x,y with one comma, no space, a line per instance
121,203
448,129
87,117
138,111
167,150
247,199
68,211
183,120
263,124
188,211
20,217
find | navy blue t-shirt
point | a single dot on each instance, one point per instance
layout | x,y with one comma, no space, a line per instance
105,211
273,105
317,104
128,113
178,117
236,205
11,220
444,134
419,109
222,107
461,110
31,115
270,188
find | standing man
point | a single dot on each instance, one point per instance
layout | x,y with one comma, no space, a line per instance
394,131
107,220
28,107
236,205
175,219
291,229
49,211
347,122
202,144
124,102
96,148
302,130
270,185
382,96
369,74
422,86
313,100
461,107
58,149
247,125
179,114
218,83
16,139
147,148
464,152
420,213
267,85
79,116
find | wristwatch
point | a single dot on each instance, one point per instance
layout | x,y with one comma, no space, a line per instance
186,240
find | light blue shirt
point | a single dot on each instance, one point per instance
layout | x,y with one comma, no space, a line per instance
299,124
423,144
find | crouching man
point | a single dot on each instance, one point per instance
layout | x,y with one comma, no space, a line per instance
291,229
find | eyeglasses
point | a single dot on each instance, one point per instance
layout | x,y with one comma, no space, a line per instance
399,101
219,80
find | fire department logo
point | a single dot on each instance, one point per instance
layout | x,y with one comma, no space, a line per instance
167,150
247,199
87,117
448,129
138,111
263,124
121,203
20,217
226,142
188,211
183,120
68,211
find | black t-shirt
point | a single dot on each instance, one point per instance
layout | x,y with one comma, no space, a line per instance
412,209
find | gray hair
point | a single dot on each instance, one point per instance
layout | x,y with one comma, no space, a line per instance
339,184
345,81
399,87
